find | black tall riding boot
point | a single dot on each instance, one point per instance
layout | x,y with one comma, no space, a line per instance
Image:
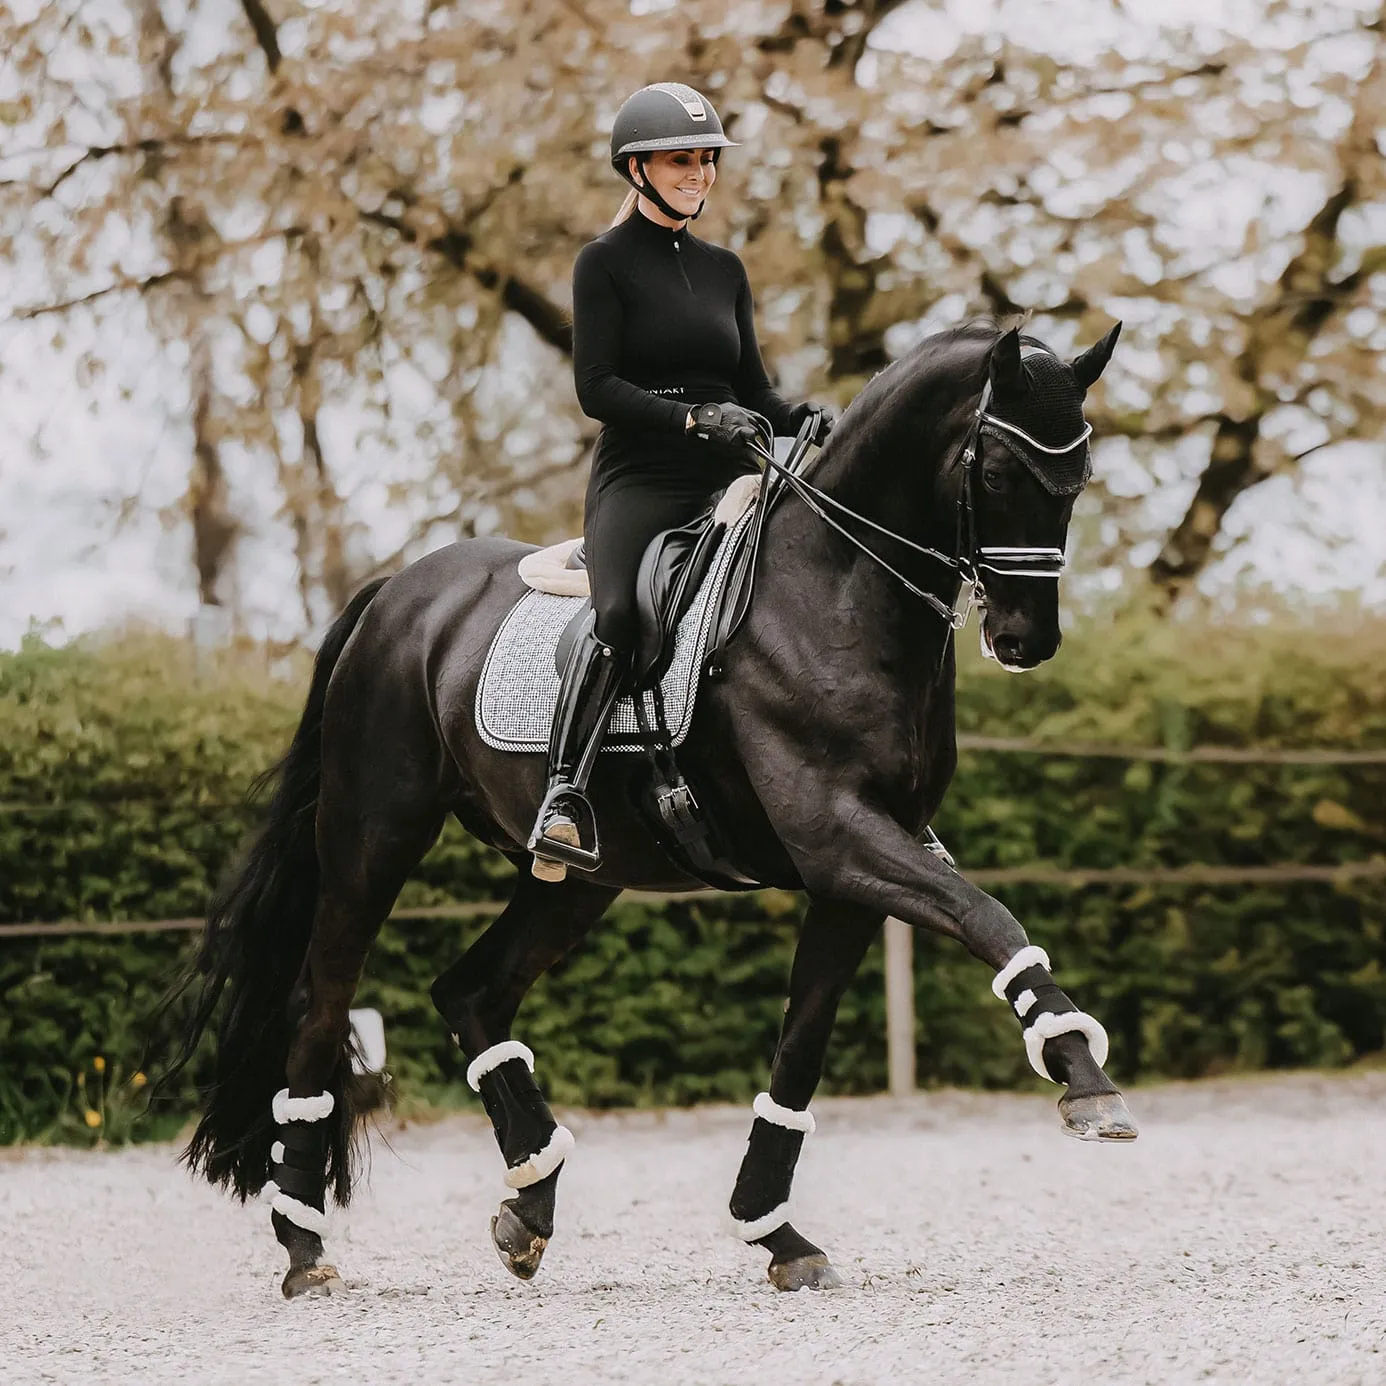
565,832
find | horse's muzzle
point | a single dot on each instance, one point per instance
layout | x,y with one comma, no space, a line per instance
1017,646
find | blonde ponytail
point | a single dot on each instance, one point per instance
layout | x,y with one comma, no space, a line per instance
627,207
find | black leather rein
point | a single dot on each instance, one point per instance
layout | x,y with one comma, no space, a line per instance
972,558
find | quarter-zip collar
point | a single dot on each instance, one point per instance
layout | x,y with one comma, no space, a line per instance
676,235
673,237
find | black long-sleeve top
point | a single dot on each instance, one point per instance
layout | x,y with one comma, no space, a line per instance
662,321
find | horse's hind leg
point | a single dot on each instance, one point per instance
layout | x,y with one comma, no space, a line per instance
365,856
833,941
478,997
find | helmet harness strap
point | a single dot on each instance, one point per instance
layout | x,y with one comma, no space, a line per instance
647,189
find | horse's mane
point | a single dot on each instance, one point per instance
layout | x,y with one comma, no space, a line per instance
946,367
952,358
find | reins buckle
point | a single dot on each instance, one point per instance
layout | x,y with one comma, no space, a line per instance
976,596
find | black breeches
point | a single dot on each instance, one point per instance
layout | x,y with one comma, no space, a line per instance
623,515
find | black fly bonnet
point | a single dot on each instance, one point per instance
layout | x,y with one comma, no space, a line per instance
1046,430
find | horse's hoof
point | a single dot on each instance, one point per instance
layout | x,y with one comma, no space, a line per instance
804,1273
1103,1117
520,1249
312,1280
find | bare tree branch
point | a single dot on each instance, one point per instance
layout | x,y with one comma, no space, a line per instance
1280,334
209,250
552,324
266,32
141,285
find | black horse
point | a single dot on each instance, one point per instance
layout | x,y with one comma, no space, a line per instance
822,753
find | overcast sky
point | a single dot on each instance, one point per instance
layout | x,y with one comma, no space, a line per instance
88,466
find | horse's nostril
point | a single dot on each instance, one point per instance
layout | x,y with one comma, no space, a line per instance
1009,649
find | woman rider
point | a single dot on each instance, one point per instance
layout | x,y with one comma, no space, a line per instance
665,356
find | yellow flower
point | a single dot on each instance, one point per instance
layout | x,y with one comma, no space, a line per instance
93,1118
99,1064
138,1080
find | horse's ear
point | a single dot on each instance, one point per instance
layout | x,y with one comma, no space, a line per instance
1007,378
1093,361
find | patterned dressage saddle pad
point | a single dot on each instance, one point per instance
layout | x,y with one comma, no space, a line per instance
519,683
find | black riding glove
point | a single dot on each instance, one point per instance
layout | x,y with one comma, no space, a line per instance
827,417
729,424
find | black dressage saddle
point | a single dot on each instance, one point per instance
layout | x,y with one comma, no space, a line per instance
670,574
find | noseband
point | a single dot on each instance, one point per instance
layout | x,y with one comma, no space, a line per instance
973,558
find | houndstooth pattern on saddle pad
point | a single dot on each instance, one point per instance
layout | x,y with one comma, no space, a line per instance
519,683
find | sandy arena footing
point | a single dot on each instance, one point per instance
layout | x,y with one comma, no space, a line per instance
1238,1241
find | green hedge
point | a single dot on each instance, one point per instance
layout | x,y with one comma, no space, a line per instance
122,767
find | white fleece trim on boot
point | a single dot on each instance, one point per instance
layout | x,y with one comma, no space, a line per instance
302,1215
277,1153
1047,1026
542,1164
767,1109
286,1108
1025,1003
1029,956
757,1228
494,1057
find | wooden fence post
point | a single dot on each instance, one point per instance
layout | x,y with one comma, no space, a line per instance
899,979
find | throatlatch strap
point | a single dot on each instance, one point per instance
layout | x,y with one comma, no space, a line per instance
1044,1009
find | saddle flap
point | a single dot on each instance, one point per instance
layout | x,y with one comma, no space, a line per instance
671,572
518,688
568,638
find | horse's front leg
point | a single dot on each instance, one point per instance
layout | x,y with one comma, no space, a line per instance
831,946
865,857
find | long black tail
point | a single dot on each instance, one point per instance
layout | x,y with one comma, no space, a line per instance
251,958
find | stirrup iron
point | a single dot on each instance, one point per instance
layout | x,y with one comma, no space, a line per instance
576,809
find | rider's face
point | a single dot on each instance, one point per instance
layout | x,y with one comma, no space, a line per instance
682,177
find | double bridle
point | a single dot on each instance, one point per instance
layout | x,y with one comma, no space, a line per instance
972,558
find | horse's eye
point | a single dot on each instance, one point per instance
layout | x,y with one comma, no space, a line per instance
995,476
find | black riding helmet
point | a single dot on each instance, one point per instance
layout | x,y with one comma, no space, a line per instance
667,115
